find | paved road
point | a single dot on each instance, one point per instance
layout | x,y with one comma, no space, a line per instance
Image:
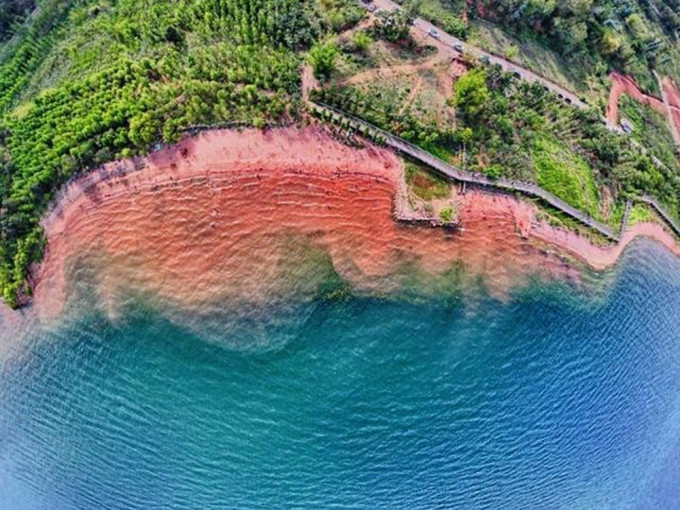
448,41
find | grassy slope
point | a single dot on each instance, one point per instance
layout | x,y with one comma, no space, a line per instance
650,128
566,175
424,184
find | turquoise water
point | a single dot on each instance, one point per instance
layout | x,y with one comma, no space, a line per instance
554,398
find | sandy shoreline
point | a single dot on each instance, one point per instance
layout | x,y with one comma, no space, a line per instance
185,219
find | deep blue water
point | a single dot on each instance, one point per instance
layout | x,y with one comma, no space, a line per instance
555,398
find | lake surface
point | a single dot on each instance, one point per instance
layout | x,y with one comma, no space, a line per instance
556,397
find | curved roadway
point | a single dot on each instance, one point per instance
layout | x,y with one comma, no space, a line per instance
447,40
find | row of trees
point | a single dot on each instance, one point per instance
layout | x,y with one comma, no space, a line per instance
625,34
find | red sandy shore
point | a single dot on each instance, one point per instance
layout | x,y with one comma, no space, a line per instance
213,217
625,85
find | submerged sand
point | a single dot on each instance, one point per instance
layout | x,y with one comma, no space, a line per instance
224,215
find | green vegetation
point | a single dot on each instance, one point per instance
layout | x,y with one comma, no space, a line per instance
322,57
12,14
338,15
361,41
88,81
471,94
640,213
393,26
650,128
424,184
566,175
446,214
534,55
382,107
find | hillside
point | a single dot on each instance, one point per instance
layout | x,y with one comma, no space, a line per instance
89,81
83,82
582,38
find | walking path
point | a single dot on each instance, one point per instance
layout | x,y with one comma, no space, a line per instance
626,216
464,177
666,217
453,173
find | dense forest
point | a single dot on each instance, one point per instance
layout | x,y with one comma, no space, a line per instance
12,14
620,32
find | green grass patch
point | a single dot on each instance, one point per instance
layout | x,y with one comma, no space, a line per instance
565,174
558,219
640,213
424,184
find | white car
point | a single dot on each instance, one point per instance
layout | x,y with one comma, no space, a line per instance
433,33
458,47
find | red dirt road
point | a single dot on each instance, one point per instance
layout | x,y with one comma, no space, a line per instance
673,95
625,85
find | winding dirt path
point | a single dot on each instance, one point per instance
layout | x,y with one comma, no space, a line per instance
672,99
625,85
412,95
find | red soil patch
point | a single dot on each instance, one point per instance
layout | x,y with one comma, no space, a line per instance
673,95
218,217
625,85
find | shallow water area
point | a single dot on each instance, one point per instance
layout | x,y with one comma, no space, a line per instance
554,396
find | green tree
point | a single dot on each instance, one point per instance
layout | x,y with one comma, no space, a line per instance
361,41
446,214
471,92
322,56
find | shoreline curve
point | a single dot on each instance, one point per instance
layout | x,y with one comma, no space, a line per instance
294,164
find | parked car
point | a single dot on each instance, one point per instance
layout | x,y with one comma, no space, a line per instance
371,8
458,47
485,60
433,33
